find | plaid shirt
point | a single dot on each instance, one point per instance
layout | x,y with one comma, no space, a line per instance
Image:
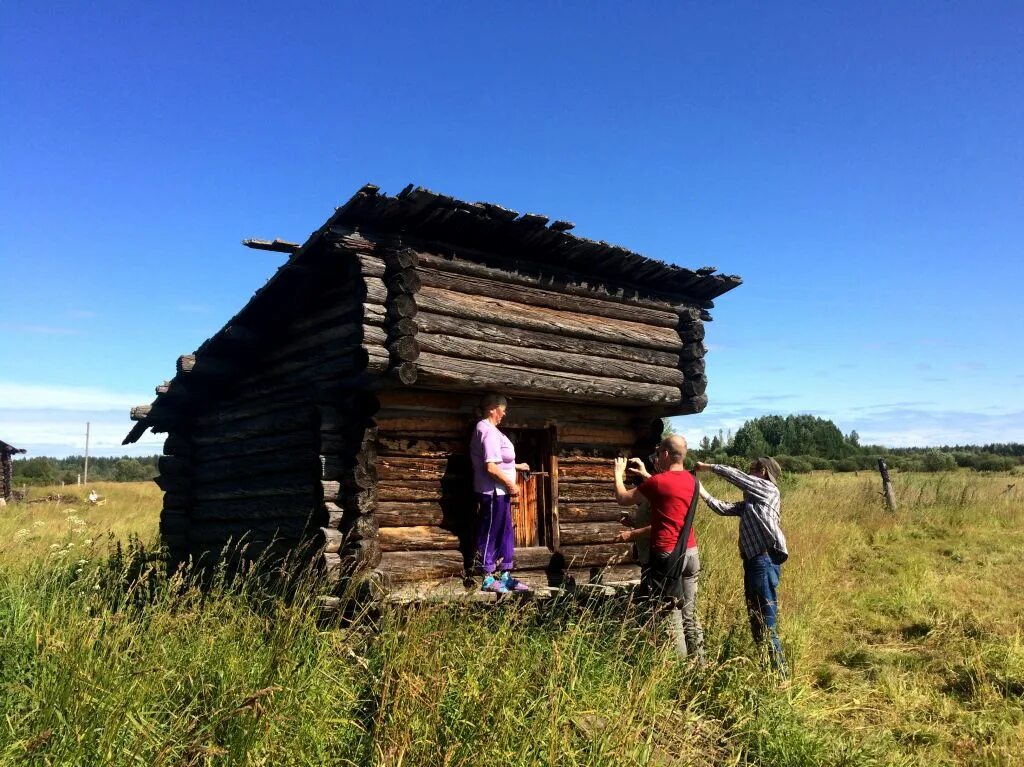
759,512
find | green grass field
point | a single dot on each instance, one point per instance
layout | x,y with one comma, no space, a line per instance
904,633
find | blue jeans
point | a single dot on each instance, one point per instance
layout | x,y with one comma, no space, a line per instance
760,585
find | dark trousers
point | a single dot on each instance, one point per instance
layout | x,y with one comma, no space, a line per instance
495,537
760,585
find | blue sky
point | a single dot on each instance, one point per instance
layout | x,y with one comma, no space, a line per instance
861,165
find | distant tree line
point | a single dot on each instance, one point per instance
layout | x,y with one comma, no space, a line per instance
53,471
803,443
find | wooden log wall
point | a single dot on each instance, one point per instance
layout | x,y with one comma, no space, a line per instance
276,456
5,475
425,510
483,326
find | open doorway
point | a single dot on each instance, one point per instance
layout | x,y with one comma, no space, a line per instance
532,510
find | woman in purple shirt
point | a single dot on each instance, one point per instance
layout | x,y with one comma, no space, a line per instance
494,481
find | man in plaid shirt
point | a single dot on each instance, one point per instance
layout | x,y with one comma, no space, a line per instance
762,544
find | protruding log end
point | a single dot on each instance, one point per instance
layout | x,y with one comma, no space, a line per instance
141,412
185,363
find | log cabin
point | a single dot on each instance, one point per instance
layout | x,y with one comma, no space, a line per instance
6,451
334,410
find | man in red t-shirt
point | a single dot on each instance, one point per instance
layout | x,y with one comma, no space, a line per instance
670,492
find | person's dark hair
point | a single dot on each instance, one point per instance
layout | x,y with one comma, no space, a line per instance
492,400
771,468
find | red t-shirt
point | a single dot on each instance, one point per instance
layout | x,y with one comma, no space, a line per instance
670,494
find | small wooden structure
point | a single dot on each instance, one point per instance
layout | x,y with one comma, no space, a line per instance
336,406
6,451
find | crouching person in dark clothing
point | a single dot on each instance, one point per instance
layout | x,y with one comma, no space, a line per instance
762,545
674,564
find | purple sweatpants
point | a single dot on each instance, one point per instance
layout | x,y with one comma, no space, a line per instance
495,540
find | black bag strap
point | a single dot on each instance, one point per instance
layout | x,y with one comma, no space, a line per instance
684,535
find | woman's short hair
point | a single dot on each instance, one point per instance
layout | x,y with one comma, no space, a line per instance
492,400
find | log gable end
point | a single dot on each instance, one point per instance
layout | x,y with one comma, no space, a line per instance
334,411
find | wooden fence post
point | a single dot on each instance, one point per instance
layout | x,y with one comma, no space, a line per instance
890,498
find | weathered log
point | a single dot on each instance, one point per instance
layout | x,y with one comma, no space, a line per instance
251,530
692,351
563,283
405,281
172,466
333,540
173,483
456,304
691,405
174,522
340,309
360,527
695,386
589,512
279,506
456,488
201,366
364,553
597,555
245,446
535,558
299,462
577,533
280,484
330,360
574,471
233,409
404,348
178,444
393,514
333,341
400,307
573,433
584,492
692,331
610,574
407,566
370,266
441,370
588,364
498,333
271,424
397,469
140,412
550,299
414,538
422,448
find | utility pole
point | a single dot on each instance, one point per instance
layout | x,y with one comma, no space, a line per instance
86,453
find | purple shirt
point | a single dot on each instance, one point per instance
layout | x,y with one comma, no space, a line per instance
491,446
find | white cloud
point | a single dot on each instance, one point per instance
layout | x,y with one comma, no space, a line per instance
15,396
62,432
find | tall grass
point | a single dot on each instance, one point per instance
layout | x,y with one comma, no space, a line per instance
903,632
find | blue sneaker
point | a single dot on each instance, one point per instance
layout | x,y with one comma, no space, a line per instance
511,584
494,584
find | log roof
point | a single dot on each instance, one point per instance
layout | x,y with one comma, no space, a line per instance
7,449
528,237
530,242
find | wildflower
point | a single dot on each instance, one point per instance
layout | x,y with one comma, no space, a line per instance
54,546
38,523
87,541
22,533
